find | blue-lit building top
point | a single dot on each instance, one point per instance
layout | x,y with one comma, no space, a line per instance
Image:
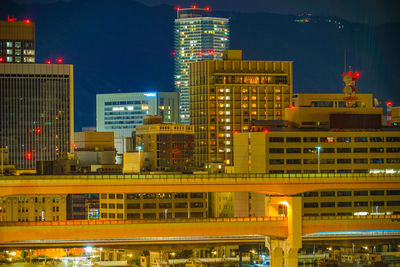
122,112
198,36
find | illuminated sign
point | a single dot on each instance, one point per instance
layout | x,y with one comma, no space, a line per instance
150,94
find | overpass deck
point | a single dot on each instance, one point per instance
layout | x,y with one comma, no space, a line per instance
274,184
200,227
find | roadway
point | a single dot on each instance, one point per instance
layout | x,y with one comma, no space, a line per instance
277,227
278,184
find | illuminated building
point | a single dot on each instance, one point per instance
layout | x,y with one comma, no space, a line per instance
322,135
122,112
31,208
226,95
36,109
197,37
170,146
153,206
83,207
17,41
396,116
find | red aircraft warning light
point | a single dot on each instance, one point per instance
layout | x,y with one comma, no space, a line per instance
11,19
235,132
27,21
59,60
266,131
28,155
194,6
1,59
207,8
177,8
48,61
389,103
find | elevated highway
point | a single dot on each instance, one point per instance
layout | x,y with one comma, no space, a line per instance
274,184
96,231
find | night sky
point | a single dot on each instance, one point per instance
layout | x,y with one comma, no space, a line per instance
125,46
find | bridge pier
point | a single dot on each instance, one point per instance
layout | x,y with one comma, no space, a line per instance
285,251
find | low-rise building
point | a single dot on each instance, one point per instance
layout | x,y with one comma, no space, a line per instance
170,146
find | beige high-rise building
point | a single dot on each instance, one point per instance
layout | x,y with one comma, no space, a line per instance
226,95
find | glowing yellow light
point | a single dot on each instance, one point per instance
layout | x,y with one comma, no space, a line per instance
285,203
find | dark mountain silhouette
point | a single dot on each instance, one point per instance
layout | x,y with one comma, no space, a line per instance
124,46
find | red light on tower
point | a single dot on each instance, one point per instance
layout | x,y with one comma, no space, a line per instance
59,60
266,131
28,155
389,103
207,9
194,6
1,59
11,19
27,21
177,8
48,61
235,132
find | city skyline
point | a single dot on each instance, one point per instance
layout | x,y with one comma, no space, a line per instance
365,51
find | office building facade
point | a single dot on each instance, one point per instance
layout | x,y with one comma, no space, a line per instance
153,206
226,95
197,37
33,208
122,112
317,138
17,41
170,147
36,110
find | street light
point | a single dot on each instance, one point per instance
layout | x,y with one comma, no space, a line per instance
139,148
318,148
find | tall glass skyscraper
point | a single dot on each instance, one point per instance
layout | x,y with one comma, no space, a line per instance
197,37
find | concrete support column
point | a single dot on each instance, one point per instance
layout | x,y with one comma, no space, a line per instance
291,257
276,257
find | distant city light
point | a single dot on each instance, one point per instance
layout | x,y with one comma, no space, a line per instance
150,94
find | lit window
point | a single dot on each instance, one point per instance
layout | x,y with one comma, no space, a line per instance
228,142
228,112
29,59
227,90
227,97
228,127
18,52
9,59
18,59
228,150
9,44
228,135
228,105
18,44
228,120
9,51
